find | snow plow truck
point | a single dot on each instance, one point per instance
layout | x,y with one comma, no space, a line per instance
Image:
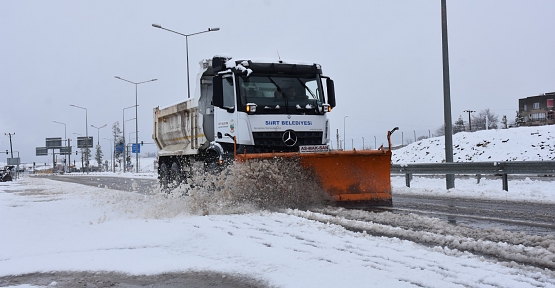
245,110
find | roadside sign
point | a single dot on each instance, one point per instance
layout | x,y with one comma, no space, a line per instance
53,143
84,142
136,148
65,150
42,151
119,148
13,161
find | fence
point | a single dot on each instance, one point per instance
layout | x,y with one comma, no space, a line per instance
478,168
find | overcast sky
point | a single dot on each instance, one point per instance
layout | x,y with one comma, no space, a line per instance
385,58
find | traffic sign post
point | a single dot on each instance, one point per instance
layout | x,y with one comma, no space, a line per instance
54,143
84,142
65,150
42,151
136,148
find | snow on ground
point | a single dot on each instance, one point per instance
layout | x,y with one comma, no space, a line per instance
514,144
55,226
540,190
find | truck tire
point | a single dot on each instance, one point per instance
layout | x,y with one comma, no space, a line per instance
175,175
163,176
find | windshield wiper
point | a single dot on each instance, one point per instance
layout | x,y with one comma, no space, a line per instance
305,87
282,94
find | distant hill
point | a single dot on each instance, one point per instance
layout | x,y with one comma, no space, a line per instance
514,144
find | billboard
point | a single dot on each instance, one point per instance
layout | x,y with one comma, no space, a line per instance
53,143
65,150
83,142
42,151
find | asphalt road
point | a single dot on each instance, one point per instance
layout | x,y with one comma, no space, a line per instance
517,216
139,185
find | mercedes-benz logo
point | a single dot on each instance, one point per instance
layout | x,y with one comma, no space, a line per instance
289,138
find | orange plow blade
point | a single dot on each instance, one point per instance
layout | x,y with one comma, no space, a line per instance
351,178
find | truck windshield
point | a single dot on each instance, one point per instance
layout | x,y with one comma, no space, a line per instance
276,94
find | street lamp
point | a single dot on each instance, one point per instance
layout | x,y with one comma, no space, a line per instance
123,123
186,48
344,140
82,162
111,153
137,116
98,133
86,135
65,137
124,144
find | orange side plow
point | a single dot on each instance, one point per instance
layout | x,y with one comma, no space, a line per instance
352,178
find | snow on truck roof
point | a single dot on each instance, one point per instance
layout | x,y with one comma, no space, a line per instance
231,61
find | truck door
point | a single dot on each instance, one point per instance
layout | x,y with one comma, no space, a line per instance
225,108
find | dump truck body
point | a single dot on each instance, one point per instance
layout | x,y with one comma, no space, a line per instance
246,110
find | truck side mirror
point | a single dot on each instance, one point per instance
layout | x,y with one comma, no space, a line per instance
331,92
218,91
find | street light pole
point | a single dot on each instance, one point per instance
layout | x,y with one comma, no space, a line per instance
124,144
344,140
98,140
65,137
136,116
123,123
111,153
362,143
76,154
187,48
98,133
375,142
86,135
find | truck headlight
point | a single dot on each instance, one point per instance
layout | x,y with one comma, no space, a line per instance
326,108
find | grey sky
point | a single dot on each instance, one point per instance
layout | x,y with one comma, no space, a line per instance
385,58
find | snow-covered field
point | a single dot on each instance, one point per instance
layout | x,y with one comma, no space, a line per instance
514,144
57,226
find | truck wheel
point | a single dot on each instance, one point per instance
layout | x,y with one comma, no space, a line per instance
163,176
175,175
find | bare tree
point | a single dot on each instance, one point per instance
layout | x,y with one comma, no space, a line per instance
459,126
441,130
479,121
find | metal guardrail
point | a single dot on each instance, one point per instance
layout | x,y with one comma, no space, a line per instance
502,167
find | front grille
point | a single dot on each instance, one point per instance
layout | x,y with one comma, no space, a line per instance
272,141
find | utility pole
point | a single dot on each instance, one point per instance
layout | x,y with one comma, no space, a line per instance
469,123
10,135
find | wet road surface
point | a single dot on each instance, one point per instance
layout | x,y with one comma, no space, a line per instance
516,216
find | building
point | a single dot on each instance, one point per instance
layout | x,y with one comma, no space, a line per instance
536,110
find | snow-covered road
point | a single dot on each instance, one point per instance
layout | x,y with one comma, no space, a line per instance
55,226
